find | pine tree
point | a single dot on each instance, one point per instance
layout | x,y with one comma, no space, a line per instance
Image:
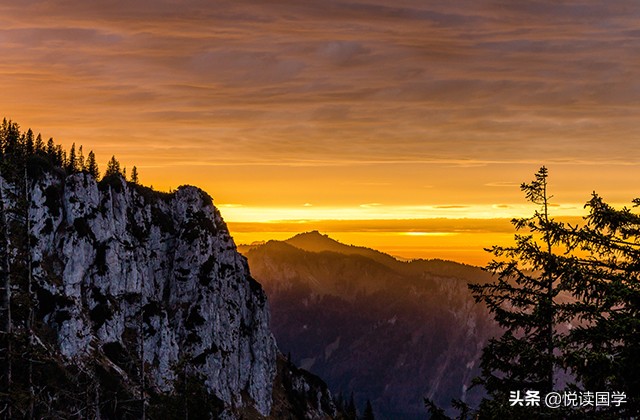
10,133
60,157
351,411
72,164
134,175
29,143
339,400
596,266
435,412
530,275
80,160
39,144
13,149
92,165
603,349
368,412
51,149
113,167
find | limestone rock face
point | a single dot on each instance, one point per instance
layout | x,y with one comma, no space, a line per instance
122,269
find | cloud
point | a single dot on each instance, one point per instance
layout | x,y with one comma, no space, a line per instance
452,206
470,225
352,85
344,53
502,184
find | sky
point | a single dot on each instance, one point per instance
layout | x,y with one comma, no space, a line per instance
406,126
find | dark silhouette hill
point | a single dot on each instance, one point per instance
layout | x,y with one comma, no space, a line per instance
314,241
389,331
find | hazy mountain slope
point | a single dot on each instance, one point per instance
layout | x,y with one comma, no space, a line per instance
317,242
321,272
393,332
314,241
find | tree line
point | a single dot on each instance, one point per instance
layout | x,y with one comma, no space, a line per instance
568,300
25,149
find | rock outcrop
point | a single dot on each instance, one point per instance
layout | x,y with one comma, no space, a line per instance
146,289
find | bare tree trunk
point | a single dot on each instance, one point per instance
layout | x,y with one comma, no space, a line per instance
549,298
5,281
30,320
143,397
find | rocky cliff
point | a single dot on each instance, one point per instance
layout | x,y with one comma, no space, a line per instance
135,299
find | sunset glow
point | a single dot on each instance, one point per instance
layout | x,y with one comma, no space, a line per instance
353,117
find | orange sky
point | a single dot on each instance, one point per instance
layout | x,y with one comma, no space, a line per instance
341,109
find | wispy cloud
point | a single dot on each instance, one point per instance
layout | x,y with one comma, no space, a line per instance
500,78
342,89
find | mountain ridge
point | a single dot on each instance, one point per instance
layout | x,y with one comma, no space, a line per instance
392,332
314,241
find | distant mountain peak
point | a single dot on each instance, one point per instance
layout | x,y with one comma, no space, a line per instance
314,241
312,234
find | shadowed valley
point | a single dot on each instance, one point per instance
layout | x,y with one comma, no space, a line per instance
391,332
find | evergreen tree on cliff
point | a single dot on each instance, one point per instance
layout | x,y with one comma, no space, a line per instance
72,164
367,414
92,165
113,167
134,176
